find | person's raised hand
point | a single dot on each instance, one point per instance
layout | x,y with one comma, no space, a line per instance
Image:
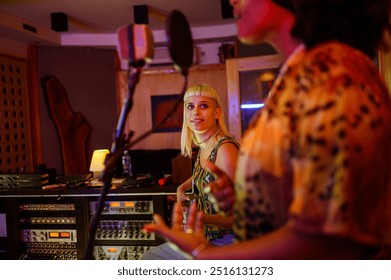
186,237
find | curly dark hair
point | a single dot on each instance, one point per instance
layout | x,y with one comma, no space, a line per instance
361,24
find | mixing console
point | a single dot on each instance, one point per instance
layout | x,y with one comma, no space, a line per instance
57,227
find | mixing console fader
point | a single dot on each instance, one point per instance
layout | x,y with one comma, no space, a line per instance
123,230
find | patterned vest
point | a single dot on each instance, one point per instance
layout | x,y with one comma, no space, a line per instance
201,178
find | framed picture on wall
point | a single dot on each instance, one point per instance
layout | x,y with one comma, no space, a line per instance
161,105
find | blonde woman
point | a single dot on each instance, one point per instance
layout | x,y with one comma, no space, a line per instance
204,127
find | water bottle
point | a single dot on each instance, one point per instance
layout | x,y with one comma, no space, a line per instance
127,164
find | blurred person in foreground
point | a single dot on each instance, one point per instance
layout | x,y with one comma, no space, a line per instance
313,174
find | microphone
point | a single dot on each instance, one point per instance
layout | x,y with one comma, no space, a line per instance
135,44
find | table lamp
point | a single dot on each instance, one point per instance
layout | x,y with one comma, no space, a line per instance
98,162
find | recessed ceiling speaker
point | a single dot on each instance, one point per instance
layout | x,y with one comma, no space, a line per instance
140,14
227,11
59,22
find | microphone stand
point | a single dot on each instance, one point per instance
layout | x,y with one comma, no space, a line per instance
115,153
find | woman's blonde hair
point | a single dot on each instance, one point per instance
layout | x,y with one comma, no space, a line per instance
187,136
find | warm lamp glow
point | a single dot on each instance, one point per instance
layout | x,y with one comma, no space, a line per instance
98,161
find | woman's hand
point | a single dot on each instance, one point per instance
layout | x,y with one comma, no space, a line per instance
222,189
186,240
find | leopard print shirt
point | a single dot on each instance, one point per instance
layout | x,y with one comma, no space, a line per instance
317,156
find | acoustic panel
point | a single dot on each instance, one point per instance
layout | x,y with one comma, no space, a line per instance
15,135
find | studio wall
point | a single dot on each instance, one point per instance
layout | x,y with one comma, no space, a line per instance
88,76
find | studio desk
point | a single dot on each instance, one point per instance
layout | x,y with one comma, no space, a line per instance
54,224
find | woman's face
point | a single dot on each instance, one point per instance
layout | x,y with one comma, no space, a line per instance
256,20
201,113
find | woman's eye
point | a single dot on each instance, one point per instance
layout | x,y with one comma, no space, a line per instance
204,106
190,107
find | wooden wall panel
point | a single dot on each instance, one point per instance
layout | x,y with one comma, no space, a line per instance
35,112
385,67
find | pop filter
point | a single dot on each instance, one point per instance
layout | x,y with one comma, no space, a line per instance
180,41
